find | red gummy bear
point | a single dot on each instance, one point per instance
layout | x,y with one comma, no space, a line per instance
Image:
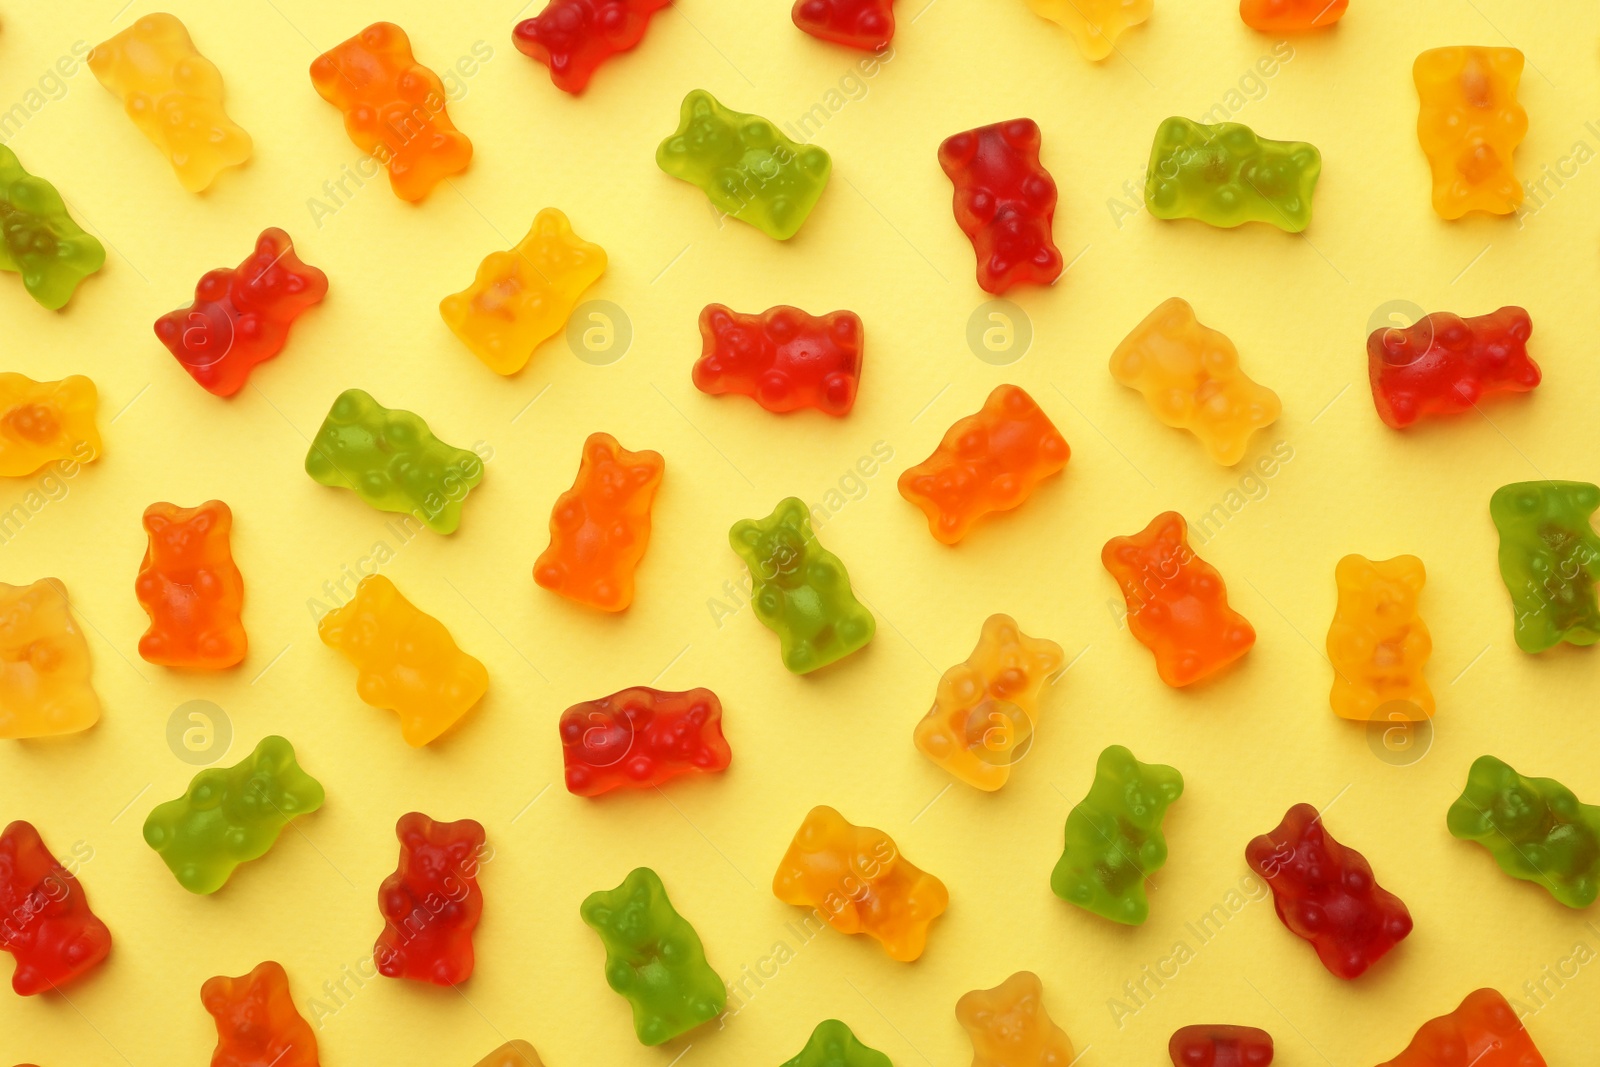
241,317
431,903
1444,364
1220,1046
45,921
573,37
782,358
257,1024
1325,893
1483,1032
640,738
1005,202
864,24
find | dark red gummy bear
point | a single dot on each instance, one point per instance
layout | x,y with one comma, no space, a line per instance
1325,893
1005,202
431,903
783,358
45,921
864,24
241,317
1445,364
640,738
573,37
1220,1046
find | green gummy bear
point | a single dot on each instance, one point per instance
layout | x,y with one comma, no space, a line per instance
654,958
1114,840
800,590
1535,828
833,1044
392,461
747,168
1227,176
231,815
1550,560
39,240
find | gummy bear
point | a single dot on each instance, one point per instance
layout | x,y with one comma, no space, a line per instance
1226,175
406,660
431,903
231,815
46,422
1094,24
641,738
241,316
257,1024
390,458
44,663
1009,1026
1535,828
1290,16
394,108
800,590
47,923
1325,893
984,710
1549,560
512,1054
1220,1046
600,528
174,95
654,958
1484,1031
1005,202
523,297
746,167
833,1044
1445,364
1177,604
39,240
864,24
1470,125
1190,377
191,589
987,461
573,37
858,881
783,358
1113,837
1378,644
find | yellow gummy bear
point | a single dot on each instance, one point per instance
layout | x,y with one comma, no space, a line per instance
43,422
981,722
174,95
1470,125
1094,24
522,297
1190,377
1378,644
512,1054
44,663
407,661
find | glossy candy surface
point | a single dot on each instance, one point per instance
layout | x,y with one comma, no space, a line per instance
640,738
1483,1032
46,422
38,238
1226,175
512,1054
864,24
1549,560
1535,828
191,589
1094,24
1220,1046
573,37
431,903
1470,125
600,528
1005,202
1290,16
782,358
833,1044
1445,364
257,1023
1009,1026
45,921
44,663
1378,643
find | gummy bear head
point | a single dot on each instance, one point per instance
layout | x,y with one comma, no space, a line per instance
268,786
778,547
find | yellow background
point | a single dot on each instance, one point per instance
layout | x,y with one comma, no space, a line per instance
881,242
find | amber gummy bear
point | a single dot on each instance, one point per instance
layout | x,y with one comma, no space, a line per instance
1009,1026
257,1024
191,589
1470,125
600,527
1378,644
44,663
46,422
1291,16
512,1054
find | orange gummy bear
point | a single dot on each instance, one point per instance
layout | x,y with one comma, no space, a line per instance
1177,604
1291,16
190,588
1470,126
983,713
1378,644
858,883
1010,1028
394,108
989,461
44,663
600,527
45,422
1483,1032
257,1024
512,1054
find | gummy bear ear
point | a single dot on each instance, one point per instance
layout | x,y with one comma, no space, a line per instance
156,523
